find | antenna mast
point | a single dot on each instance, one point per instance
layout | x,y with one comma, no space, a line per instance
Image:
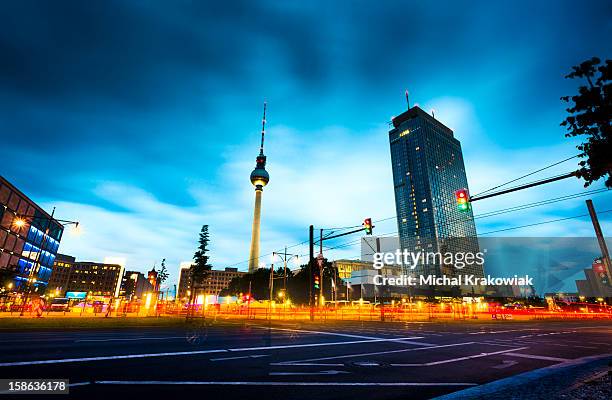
263,129
407,99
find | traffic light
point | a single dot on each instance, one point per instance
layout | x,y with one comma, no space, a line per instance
317,281
600,270
367,226
463,200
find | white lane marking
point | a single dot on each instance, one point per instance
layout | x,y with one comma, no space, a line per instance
491,343
505,331
451,360
535,357
290,346
328,372
371,354
546,343
317,332
104,358
506,364
188,353
310,364
239,357
246,383
475,356
129,339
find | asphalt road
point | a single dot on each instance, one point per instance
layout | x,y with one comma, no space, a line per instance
254,360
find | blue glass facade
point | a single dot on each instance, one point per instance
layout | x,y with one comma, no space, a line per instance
428,168
29,241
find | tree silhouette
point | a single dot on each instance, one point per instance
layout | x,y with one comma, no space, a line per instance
162,275
589,116
200,269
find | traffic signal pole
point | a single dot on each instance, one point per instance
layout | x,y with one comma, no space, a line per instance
311,263
521,187
320,264
600,238
310,266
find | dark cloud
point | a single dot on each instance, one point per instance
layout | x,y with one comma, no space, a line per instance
151,92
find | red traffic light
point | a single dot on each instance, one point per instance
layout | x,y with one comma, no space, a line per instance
367,225
463,199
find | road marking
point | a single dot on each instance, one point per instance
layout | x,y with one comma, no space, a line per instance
319,332
310,364
451,360
367,364
535,357
546,343
296,362
328,372
265,383
290,346
506,364
189,353
239,357
491,343
79,384
105,358
505,331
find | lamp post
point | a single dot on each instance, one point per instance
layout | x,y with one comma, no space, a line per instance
285,257
19,222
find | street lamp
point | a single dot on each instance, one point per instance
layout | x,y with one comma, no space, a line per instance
285,257
20,221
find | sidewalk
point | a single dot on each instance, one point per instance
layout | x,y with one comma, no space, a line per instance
583,378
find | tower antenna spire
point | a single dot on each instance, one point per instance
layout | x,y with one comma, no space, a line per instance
263,129
407,99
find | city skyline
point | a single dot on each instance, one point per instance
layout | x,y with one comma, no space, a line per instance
195,137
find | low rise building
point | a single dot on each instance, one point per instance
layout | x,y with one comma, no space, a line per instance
346,268
134,285
94,278
216,281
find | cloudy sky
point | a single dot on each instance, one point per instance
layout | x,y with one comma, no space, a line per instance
141,119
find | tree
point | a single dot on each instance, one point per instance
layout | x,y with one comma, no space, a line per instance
589,116
162,275
200,269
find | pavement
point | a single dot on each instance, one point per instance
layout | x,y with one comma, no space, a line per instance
333,360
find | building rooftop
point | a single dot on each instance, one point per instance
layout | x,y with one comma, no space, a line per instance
414,112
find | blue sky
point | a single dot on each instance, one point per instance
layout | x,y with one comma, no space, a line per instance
141,119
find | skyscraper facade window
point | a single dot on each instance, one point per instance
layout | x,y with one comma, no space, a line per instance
428,168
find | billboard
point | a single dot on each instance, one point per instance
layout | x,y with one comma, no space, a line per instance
76,295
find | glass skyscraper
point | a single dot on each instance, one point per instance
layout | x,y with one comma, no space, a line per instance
427,170
29,241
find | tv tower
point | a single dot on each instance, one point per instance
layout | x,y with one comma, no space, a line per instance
259,179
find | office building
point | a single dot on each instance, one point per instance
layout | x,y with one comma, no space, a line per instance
134,285
216,281
97,279
428,168
183,289
29,241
